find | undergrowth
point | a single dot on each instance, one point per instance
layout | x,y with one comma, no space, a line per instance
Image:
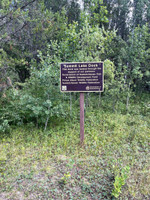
113,163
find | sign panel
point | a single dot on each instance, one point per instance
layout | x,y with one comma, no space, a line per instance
82,77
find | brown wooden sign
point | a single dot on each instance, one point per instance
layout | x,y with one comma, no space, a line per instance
82,77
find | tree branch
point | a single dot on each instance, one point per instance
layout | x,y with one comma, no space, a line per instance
13,33
21,8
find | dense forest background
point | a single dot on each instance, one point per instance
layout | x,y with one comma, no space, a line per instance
37,35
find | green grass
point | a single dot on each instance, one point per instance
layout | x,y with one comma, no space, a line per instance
52,164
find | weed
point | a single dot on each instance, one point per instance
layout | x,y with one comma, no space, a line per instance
120,180
65,179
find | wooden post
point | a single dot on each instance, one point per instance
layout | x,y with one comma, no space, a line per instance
81,118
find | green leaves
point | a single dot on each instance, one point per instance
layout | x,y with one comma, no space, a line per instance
120,179
137,56
97,12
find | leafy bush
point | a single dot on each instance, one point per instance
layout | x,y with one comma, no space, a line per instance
40,98
4,127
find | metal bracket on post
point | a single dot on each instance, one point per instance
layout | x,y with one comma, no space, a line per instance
81,118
